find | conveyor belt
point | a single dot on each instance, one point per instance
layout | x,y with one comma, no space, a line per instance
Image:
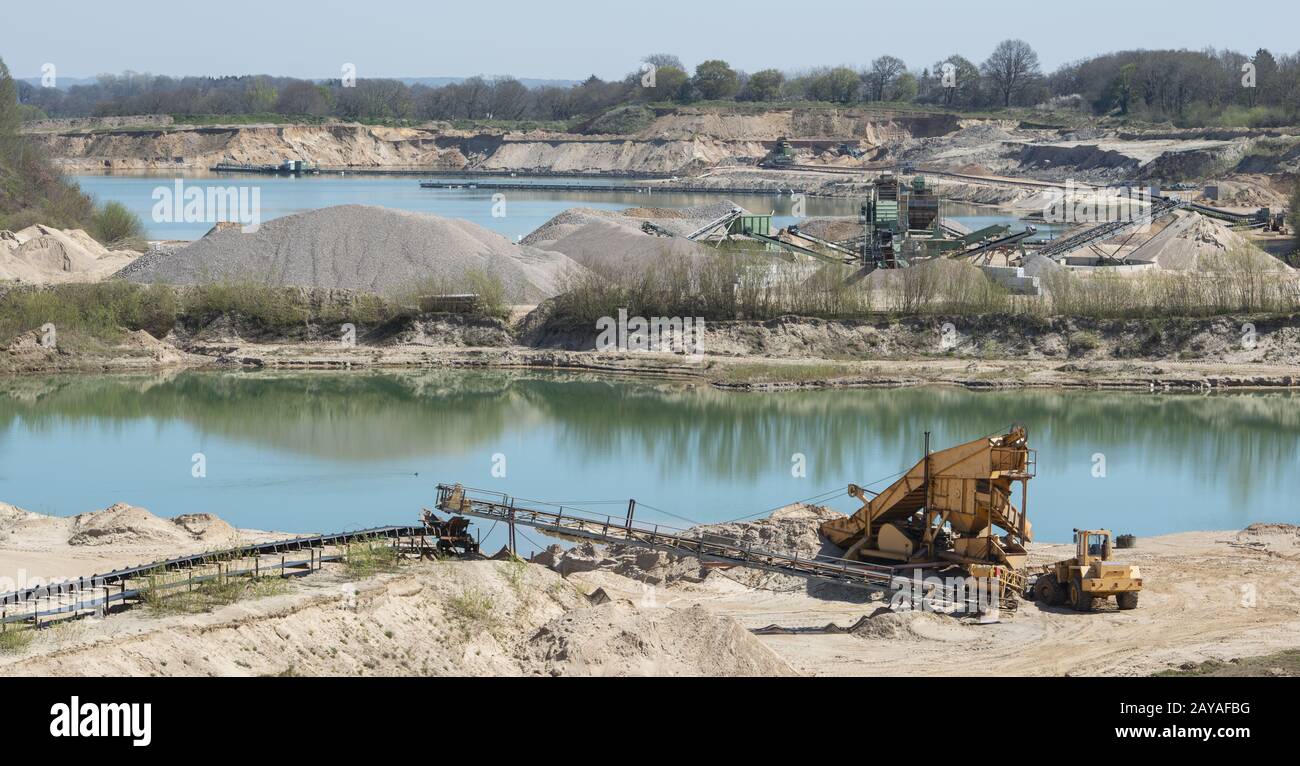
1160,207
568,523
120,576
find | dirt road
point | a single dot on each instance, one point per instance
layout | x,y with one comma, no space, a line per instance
1207,595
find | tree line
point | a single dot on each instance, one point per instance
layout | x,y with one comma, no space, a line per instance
1187,88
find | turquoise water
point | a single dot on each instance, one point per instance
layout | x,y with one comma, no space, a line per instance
331,451
524,210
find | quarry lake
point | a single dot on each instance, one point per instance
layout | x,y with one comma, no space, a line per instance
524,210
325,452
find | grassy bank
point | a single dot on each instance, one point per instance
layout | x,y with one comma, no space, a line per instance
742,286
102,312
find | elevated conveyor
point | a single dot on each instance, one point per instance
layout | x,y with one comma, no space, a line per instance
570,524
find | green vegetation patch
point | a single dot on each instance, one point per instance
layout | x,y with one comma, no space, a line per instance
210,594
1285,663
369,558
15,639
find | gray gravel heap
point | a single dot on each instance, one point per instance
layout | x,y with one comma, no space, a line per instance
360,247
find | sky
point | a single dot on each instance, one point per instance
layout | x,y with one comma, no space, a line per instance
571,39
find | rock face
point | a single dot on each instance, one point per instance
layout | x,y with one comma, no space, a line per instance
673,143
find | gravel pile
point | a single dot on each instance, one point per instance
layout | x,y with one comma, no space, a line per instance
614,245
613,250
359,247
570,221
680,221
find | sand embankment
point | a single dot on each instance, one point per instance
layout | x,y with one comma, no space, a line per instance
34,546
591,611
42,255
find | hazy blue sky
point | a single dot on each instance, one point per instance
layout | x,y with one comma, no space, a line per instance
574,38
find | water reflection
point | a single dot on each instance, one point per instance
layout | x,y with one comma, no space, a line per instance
287,448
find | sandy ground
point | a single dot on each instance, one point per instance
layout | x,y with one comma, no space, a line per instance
740,372
485,618
765,373
41,548
1208,596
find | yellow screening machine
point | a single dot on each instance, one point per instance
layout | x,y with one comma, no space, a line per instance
954,507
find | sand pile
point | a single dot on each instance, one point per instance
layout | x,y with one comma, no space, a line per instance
832,229
914,624
571,220
34,545
13,518
121,523
616,251
44,255
480,618
616,639
360,247
792,529
1276,538
939,276
1194,242
680,221
1041,266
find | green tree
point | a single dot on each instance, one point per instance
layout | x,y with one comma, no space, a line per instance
715,79
765,85
1294,213
1010,68
261,95
839,85
884,71
669,81
1265,90
116,226
904,88
958,81
1126,75
10,119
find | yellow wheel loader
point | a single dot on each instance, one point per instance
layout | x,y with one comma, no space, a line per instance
1089,575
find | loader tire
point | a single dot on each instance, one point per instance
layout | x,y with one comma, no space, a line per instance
1079,598
1127,600
1047,590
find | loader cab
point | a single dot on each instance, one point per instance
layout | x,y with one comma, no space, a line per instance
1092,545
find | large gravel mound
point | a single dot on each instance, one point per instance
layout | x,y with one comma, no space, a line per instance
616,251
680,221
360,247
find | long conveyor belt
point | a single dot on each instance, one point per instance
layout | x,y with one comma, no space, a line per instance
119,577
567,523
